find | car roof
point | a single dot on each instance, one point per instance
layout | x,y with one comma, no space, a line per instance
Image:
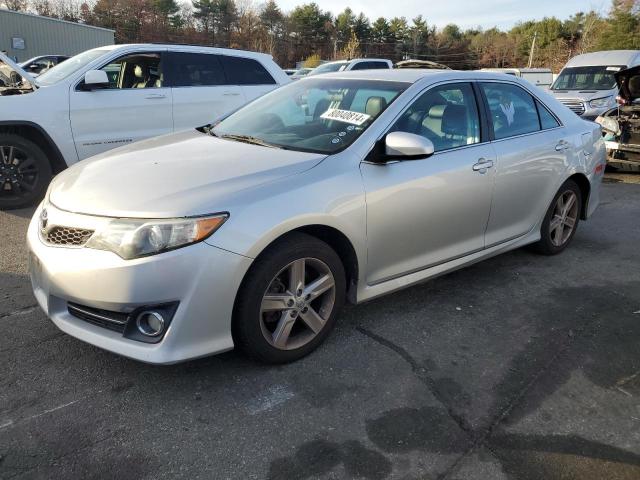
184,48
608,57
413,75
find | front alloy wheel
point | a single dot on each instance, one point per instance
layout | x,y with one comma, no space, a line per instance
297,303
289,299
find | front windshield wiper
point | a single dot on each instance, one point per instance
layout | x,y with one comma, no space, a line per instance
247,139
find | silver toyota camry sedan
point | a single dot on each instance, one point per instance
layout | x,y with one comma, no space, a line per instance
254,231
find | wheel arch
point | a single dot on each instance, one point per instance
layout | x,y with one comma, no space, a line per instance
338,241
585,190
35,133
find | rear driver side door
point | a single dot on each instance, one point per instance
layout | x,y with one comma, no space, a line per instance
533,150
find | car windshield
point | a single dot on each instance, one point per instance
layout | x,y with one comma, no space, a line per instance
327,68
598,77
32,59
322,115
69,67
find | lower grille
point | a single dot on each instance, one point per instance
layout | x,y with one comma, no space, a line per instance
576,106
67,236
115,321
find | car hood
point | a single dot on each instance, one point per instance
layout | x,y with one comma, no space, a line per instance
583,95
177,175
629,83
7,65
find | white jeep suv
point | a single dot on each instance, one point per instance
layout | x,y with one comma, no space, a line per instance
112,96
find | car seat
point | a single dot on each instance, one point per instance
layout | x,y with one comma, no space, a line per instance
375,105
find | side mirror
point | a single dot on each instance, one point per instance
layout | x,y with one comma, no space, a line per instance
407,146
95,79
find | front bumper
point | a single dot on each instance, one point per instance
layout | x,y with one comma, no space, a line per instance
202,278
618,153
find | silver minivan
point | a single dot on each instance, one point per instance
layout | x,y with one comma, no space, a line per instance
587,85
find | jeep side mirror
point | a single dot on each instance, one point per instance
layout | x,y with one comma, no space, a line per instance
95,79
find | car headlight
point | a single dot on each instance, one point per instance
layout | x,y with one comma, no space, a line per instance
609,124
601,102
133,238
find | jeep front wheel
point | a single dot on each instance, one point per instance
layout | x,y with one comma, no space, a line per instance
25,172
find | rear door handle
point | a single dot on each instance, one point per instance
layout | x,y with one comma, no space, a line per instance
230,94
155,96
482,165
562,145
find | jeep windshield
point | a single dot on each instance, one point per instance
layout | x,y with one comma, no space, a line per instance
69,67
320,115
599,77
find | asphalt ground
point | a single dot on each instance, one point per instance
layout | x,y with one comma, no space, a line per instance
522,367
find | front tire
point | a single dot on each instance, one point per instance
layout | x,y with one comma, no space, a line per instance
561,220
289,300
25,172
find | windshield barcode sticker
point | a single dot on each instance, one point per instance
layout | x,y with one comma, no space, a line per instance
347,116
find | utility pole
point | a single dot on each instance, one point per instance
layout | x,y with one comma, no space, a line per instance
533,47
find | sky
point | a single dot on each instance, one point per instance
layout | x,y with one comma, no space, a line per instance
466,13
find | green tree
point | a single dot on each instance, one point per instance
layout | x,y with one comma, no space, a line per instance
622,31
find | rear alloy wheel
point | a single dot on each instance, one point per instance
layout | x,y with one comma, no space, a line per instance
25,172
289,300
561,220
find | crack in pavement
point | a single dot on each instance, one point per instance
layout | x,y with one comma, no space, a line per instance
12,423
21,311
422,375
479,438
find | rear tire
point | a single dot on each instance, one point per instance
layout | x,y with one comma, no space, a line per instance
289,299
561,220
25,172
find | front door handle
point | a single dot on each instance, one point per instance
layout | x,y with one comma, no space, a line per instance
482,165
155,96
230,94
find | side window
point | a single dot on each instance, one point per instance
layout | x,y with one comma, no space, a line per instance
512,109
546,119
447,115
195,70
245,71
370,66
140,70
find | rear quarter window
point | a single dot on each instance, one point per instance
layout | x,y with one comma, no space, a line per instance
370,66
245,71
546,119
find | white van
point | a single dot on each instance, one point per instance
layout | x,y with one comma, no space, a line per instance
112,96
587,84
540,77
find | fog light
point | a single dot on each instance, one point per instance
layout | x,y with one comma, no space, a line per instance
150,323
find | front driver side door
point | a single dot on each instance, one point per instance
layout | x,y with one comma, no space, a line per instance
135,106
421,213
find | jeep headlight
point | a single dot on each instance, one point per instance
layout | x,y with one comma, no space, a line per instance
601,102
133,238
